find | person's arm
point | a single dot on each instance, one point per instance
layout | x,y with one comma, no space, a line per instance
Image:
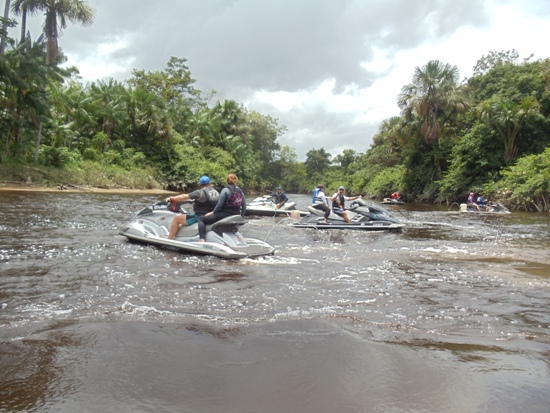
284,199
178,198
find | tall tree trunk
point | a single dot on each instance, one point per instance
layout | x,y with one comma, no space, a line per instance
5,27
23,24
38,138
50,29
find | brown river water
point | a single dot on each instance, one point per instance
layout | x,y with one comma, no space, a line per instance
452,314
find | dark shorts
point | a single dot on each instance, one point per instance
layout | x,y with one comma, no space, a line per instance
191,219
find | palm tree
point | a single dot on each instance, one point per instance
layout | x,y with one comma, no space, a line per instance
5,27
25,92
233,120
393,138
71,104
433,97
201,128
507,117
20,8
57,13
110,107
149,128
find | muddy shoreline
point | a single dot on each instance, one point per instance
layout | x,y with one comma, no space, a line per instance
15,186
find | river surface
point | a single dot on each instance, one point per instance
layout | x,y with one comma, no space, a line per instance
452,314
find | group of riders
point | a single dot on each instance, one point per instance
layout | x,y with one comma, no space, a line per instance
337,202
210,205
479,203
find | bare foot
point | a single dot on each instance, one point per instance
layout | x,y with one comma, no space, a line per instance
201,240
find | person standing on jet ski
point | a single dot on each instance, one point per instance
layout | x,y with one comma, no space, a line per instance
319,201
231,202
205,198
339,202
280,197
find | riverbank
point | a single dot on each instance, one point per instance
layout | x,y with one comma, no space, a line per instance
29,187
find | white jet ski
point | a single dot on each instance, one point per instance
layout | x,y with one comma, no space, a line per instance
491,209
151,225
264,206
362,217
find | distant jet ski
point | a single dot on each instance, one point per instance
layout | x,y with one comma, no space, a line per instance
390,201
362,217
264,206
491,208
394,199
151,225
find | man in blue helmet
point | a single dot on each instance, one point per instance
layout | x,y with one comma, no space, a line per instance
205,199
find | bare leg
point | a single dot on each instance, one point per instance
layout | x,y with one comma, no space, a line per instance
178,220
345,215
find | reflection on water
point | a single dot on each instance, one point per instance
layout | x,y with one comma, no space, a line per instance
451,314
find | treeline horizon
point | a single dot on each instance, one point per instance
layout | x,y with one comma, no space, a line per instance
489,133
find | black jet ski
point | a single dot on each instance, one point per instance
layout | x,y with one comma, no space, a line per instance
264,206
362,217
151,225
491,208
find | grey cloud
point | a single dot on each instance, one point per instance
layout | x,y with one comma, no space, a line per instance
277,45
314,127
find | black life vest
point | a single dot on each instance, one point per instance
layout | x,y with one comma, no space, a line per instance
339,202
207,201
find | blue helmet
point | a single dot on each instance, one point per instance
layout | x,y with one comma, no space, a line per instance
204,180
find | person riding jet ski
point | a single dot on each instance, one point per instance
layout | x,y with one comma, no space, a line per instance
319,201
205,199
339,202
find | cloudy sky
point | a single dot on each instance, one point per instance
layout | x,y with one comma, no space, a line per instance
329,70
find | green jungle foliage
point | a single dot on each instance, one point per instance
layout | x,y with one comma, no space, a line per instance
489,133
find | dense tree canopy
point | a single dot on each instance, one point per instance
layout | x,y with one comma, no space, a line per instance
487,133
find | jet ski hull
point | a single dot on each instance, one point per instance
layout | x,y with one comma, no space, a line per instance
265,207
136,234
493,208
362,217
363,226
389,201
272,212
152,226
